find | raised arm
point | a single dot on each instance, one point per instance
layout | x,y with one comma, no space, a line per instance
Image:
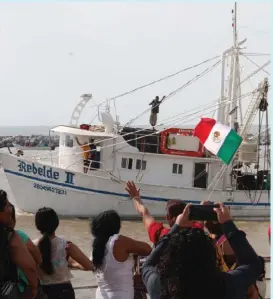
133,191
77,140
78,256
23,260
131,246
162,99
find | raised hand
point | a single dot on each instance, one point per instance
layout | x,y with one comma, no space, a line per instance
132,190
183,219
223,213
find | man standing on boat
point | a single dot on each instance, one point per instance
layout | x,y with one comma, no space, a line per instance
155,110
85,154
93,153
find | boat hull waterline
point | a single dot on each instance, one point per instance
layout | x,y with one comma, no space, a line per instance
35,185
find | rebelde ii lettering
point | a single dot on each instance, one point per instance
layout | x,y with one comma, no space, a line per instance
44,171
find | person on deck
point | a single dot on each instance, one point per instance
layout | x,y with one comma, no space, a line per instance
85,154
156,230
155,110
93,153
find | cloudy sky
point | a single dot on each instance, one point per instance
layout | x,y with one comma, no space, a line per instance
51,53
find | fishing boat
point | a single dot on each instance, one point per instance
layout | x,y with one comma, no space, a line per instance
166,162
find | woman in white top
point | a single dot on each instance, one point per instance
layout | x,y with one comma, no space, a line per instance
112,257
53,271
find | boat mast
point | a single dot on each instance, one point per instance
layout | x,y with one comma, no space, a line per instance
230,111
233,92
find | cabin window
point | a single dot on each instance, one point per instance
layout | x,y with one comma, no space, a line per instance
68,141
127,163
177,168
141,164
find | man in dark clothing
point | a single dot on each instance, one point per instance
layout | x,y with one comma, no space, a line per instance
155,110
93,153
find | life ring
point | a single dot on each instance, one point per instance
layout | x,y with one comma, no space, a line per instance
164,142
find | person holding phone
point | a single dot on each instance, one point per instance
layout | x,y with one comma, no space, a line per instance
184,263
155,229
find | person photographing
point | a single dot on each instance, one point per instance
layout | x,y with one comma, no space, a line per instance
184,263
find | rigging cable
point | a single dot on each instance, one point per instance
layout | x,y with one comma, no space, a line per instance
159,80
198,76
256,64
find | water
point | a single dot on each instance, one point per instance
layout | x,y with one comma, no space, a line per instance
78,231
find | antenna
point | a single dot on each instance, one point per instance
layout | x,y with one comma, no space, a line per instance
234,24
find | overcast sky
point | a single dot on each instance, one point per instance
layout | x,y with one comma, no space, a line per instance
52,53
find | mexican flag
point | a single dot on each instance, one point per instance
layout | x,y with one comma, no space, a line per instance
219,139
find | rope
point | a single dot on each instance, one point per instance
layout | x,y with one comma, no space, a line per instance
255,64
198,76
159,80
175,123
222,171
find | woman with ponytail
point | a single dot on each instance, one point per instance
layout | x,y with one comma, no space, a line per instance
53,271
112,257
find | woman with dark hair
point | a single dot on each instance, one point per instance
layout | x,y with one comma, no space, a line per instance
53,271
13,255
184,265
32,249
112,257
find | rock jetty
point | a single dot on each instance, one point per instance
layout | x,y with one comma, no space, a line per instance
29,141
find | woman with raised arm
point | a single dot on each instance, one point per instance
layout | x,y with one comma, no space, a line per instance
112,257
53,271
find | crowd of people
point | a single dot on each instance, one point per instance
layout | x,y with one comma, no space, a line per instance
189,259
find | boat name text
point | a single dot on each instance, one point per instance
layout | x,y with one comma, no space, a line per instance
45,171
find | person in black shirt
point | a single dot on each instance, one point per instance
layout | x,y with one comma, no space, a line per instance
93,153
155,110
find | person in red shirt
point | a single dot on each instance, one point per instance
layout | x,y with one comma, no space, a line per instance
155,229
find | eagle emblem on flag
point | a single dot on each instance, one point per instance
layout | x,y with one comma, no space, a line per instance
216,136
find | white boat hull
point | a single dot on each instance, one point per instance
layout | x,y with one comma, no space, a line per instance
35,186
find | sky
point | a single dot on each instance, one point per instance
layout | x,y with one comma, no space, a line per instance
51,53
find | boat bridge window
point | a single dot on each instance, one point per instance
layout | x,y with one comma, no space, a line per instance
141,164
146,140
177,168
127,163
68,141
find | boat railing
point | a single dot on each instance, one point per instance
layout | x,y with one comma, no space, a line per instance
80,161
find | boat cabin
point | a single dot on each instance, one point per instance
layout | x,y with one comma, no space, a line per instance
74,142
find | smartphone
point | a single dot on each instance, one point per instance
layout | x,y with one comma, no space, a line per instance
202,213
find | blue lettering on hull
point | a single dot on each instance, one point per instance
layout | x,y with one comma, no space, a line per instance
45,172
